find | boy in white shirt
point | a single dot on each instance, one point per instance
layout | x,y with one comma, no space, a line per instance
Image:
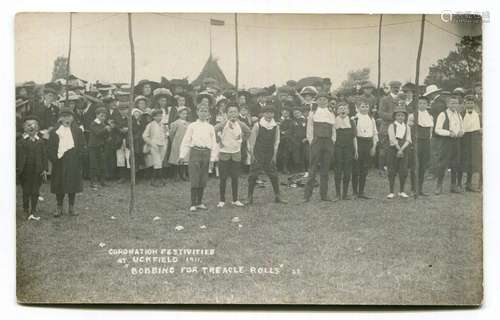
367,139
200,143
472,143
155,135
230,134
397,156
421,124
448,131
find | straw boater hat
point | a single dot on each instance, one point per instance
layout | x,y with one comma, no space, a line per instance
31,117
220,99
205,94
72,96
161,92
309,90
470,97
459,91
137,110
431,89
139,98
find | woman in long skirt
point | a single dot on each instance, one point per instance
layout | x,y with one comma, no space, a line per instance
65,147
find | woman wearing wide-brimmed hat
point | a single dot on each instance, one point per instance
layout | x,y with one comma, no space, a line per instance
146,88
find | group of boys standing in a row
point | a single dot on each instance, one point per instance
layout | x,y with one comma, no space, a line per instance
183,133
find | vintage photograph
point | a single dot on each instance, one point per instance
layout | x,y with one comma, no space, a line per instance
249,158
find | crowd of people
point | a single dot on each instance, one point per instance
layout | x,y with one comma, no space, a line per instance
70,130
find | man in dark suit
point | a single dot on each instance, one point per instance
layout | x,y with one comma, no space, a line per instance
437,104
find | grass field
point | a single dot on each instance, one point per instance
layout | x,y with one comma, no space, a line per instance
379,251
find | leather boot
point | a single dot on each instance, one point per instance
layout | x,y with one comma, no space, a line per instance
251,186
276,189
361,188
345,188
58,211
338,191
71,211
308,190
323,188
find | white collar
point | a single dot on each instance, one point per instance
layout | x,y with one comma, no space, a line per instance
97,121
27,136
267,124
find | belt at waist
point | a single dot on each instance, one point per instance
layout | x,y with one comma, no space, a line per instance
201,148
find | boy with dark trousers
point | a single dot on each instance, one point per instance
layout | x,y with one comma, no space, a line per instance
367,139
397,155
300,145
200,143
346,150
321,137
421,124
98,132
31,165
448,132
263,147
230,134
471,143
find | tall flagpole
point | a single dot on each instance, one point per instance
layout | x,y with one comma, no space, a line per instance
417,78
68,72
210,31
379,50
130,107
419,53
236,56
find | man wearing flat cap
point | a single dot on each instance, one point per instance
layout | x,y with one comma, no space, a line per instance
387,105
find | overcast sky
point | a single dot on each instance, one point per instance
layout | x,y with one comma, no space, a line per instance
273,48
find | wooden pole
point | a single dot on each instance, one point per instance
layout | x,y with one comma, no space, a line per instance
417,93
68,72
419,53
130,107
210,31
236,57
379,50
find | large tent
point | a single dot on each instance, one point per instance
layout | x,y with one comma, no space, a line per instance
211,70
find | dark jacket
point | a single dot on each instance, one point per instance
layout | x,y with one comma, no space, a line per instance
386,108
98,134
41,163
86,117
47,115
67,171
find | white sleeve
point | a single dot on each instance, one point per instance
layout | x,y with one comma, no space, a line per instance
186,142
439,126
